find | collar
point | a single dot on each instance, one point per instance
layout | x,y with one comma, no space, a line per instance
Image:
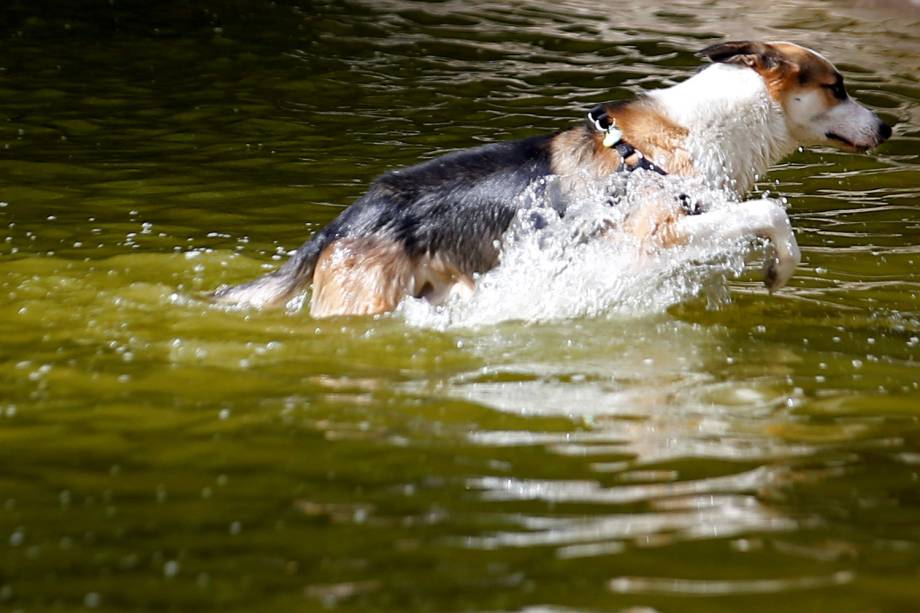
630,157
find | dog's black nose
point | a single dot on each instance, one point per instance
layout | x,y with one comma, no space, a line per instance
884,130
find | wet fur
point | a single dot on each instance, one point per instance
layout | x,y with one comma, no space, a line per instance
420,230
427,230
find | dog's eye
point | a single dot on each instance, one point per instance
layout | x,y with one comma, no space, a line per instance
840,93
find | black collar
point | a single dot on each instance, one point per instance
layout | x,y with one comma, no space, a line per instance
630,157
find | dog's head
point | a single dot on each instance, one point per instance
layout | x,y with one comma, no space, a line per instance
810,90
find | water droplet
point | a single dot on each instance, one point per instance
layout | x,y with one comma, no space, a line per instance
16,538
170,569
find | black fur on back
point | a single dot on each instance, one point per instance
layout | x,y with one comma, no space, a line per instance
457,205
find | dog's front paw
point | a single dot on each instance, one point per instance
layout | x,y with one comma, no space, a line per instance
783,253
782,259
775,275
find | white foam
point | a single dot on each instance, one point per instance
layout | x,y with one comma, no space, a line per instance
561,271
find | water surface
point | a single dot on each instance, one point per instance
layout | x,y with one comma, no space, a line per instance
161,454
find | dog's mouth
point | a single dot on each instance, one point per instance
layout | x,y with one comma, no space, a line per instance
847,143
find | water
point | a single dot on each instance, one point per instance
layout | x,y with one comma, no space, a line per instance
585,265
704,447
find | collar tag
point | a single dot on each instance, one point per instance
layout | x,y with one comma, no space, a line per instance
612,136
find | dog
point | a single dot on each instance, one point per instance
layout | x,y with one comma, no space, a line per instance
427,231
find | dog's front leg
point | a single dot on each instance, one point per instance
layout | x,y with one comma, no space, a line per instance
760,218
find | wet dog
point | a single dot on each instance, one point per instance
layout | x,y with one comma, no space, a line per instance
428,230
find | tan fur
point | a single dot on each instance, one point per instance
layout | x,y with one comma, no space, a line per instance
656,136
370,276
360,277
653,223
437,279
804,69
787,68
576,151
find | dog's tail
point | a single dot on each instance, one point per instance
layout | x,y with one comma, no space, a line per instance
279,286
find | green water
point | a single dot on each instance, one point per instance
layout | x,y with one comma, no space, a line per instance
161,454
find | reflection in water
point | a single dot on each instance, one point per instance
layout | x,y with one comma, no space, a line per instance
715,588
679,511
645,391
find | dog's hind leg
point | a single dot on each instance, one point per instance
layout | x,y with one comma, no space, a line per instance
439,278
755,218
361,276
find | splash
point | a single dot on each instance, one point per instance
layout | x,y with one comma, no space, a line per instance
583,264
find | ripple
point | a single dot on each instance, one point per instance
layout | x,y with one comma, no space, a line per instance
502,488
704,587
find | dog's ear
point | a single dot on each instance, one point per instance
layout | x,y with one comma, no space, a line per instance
759,56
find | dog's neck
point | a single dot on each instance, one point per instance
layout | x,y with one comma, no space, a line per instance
736,131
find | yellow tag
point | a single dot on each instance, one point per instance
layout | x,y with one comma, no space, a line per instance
612,137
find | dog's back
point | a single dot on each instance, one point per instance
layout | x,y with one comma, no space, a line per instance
417,231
